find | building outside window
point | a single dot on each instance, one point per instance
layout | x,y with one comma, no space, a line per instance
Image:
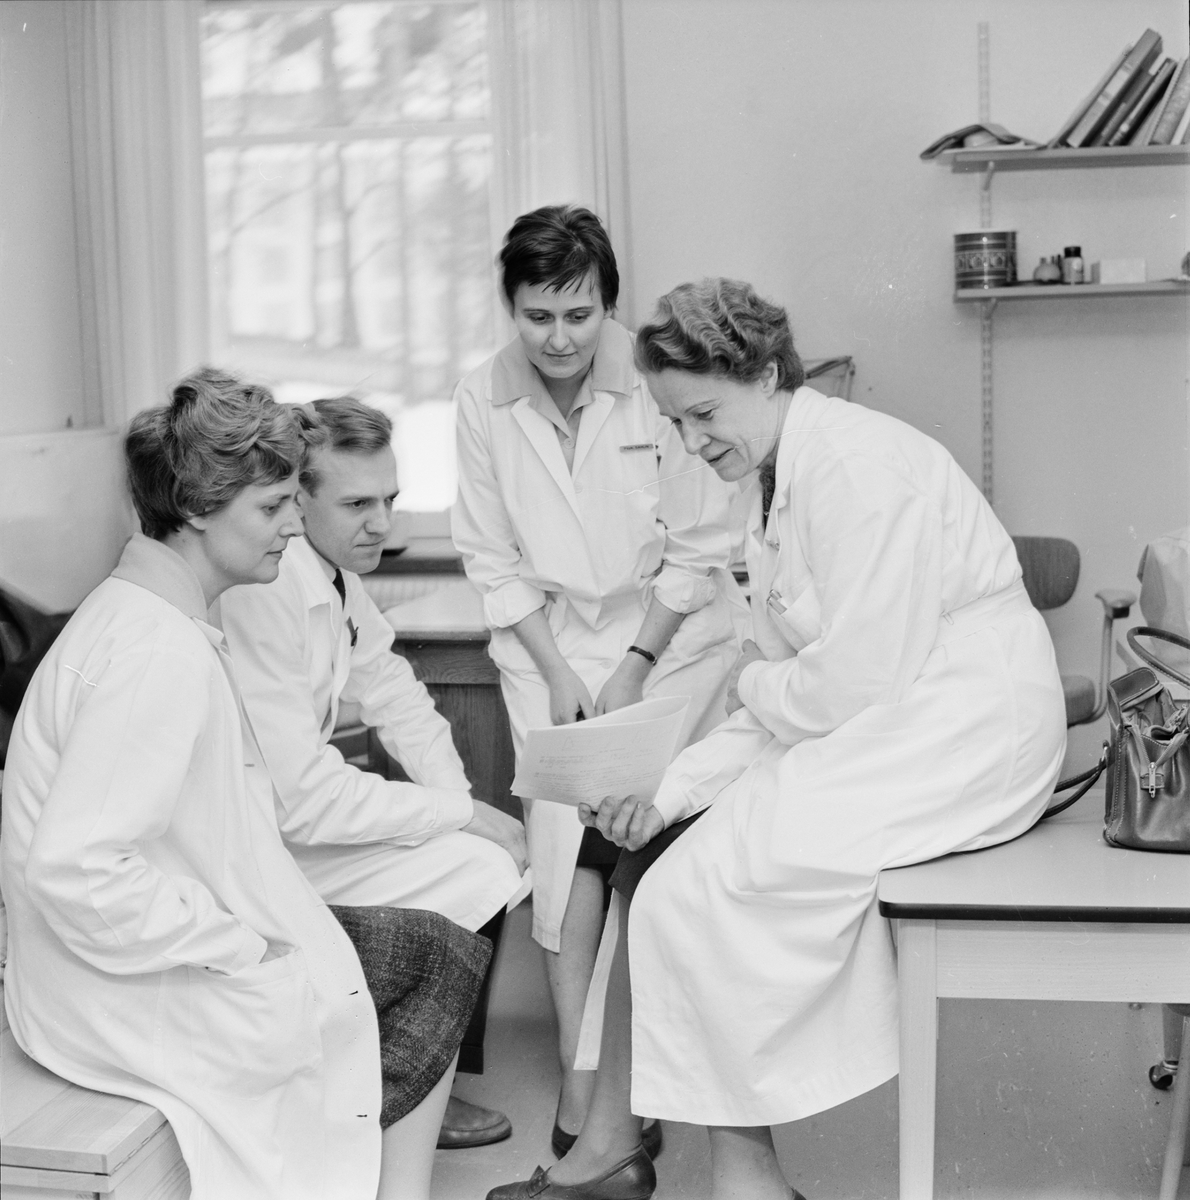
348,150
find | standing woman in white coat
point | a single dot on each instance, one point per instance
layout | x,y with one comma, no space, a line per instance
163,943
901,702
601,551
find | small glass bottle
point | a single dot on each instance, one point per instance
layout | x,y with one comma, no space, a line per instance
1047,271
1072,264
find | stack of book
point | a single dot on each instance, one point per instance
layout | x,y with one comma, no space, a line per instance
1142,99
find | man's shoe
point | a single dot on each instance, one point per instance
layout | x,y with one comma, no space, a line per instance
561,1142
632,1179
468,1124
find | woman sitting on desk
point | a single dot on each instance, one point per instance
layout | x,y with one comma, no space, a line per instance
164,945
901,701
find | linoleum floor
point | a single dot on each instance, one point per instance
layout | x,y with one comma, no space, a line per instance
1035,1100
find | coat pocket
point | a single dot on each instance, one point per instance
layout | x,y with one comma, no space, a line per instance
799,617
250,1032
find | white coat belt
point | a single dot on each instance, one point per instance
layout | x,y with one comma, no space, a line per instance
978,614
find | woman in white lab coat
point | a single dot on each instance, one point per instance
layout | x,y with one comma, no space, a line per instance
900,702
163,943
601,551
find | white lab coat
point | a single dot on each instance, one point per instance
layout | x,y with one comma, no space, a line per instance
359,838
910,706
635,517
145,878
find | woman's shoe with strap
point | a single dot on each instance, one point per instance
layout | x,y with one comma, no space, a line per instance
632,1179
561,1142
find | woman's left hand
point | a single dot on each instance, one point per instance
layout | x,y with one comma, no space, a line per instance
624,686
624,820
751,653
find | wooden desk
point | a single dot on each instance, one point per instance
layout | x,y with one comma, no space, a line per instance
444,637
1055,915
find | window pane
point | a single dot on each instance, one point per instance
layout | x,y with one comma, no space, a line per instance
349,249
355,65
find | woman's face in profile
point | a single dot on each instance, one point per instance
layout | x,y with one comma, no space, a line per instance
243,541
731,426
559,329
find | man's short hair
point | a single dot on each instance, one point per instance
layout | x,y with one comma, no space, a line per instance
339,423
193,455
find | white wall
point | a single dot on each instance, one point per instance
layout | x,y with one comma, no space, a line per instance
40,331
777,141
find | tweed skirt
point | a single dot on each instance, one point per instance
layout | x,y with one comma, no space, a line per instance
424,973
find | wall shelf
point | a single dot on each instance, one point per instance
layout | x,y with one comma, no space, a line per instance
989,161
1030,158
1082,291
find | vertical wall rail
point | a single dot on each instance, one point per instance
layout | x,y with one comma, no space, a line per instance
986,309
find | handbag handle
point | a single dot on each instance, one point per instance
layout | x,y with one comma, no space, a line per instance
1088,779
1158,635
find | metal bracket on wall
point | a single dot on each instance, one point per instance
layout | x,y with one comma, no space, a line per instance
986,310
988,307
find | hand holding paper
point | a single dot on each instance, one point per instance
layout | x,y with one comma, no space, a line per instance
622,753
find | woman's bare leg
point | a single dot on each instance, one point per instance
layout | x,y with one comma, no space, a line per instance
610,1132
569,974
744,1164
407,1146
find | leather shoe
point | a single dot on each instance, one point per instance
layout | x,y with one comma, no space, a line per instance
561,1142
632,1179
466,1124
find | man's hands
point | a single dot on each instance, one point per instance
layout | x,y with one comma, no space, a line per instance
569,698
625,820
624,686
489,822
751,653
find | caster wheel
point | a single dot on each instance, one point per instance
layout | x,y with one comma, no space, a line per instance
1162,1075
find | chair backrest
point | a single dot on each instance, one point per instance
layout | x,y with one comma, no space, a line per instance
831,376
1050,567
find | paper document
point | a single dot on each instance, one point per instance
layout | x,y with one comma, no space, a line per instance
622,753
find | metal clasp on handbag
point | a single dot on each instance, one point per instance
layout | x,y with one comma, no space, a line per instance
1155,781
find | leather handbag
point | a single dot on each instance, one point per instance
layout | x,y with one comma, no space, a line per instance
1147,759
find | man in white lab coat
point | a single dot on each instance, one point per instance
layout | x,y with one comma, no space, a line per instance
314,639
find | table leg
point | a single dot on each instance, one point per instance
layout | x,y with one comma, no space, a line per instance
918,979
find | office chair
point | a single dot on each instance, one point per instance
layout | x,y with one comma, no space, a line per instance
1050,567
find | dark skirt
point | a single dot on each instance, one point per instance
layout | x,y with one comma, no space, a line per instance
424,973
632,864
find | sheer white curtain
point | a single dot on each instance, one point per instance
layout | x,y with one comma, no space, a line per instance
559,116
137,150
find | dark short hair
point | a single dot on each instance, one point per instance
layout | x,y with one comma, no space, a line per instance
339,423
558,245
193,455
720,327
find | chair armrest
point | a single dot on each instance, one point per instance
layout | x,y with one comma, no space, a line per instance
1116,604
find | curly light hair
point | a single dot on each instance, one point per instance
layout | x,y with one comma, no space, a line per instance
720,327
193,455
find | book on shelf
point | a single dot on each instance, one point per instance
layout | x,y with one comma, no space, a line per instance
1144,93
1059,139
1142,135
1104,105
1129,128
1177,100
1181,136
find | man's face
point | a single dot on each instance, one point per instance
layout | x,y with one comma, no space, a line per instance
350,514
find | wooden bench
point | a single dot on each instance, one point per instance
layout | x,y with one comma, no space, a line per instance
60,1141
